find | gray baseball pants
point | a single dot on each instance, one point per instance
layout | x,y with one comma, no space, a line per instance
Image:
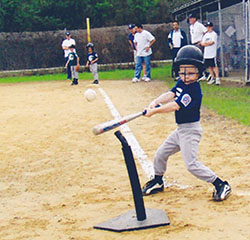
74,73
93,69
185,138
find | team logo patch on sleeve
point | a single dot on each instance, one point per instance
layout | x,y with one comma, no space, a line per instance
186,99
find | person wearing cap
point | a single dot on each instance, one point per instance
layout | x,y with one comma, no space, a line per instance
197,31
176,39
209,42
143,42
65,46
132,28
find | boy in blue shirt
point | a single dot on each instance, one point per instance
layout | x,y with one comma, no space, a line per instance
73,61
185,100
92,62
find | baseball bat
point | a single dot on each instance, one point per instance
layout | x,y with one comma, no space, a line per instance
106,126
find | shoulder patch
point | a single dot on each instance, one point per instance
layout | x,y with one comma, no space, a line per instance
186,99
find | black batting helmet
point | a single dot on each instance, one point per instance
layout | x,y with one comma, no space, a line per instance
189,54
90,45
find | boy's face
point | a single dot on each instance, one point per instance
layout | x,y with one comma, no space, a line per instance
71,49
90,50
209,29
189,74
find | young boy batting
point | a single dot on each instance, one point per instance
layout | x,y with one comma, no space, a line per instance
185,100
73,61
92,62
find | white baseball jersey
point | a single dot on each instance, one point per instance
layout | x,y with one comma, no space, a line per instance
143,40
68,43
197,31
210,51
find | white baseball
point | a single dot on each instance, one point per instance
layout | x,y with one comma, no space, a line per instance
90,95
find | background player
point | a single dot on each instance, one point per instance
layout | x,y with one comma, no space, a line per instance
185,100
92,62
209,42
72,62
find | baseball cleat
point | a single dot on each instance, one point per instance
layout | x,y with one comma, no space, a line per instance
222,193
211,81
134,80
95,82
143,78
203,78
152,186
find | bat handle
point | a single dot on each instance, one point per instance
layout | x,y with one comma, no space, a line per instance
145,111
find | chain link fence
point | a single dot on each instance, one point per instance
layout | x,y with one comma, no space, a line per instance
232,26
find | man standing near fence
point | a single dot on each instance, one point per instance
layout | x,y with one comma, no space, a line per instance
143,43
197,31
132,28
176,39
65,46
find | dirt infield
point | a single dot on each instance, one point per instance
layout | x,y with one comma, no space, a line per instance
57,180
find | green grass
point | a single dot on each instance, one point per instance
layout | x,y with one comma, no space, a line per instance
35,78
232,102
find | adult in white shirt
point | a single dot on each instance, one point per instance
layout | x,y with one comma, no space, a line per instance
65,46
143,42
197,31
209,42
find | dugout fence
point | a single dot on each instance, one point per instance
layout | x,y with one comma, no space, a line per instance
231,23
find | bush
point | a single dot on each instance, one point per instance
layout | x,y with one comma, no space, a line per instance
28,50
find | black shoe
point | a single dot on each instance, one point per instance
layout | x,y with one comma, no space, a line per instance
95,82
76,81
152,186
222,193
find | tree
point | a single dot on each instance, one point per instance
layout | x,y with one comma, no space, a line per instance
41,15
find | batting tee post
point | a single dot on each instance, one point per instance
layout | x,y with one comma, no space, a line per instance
133,177
145,218
88,29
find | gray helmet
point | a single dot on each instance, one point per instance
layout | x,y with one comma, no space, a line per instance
190,54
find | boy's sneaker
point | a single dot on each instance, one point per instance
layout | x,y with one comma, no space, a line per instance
217,81
144,77
222,193
95,82
134,80
152,186
211,81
